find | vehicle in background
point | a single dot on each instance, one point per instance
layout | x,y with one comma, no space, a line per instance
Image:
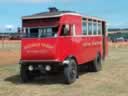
120,39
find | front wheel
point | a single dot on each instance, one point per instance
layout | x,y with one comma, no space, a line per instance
70,72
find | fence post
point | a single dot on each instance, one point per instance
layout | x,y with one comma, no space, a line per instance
2,41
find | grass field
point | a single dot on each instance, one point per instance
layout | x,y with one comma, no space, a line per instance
9,52
111,81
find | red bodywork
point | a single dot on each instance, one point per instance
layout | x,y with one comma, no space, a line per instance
83,48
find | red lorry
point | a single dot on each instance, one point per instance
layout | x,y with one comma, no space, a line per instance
60,41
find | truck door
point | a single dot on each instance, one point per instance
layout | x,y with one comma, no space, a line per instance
64,41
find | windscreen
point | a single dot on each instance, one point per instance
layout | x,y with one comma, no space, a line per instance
41,32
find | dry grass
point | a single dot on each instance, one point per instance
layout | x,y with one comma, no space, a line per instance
111,81
119,44
9,52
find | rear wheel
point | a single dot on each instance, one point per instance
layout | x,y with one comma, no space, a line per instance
95,65
70,72
25,74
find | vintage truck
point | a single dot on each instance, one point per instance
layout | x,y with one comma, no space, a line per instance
60,41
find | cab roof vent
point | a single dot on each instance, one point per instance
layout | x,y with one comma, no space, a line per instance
53,9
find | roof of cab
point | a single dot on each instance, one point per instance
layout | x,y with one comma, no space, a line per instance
49,14
54,12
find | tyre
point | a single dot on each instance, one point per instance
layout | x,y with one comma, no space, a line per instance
70,72
95,65
25,74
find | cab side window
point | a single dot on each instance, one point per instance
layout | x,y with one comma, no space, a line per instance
99,29
94,28
85,27
65,30
85,32
90,28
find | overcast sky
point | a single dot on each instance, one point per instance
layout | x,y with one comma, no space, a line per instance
114,11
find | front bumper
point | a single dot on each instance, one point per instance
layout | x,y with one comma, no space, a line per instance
39,61
41,65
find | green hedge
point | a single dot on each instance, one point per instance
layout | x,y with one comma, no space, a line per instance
118,35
